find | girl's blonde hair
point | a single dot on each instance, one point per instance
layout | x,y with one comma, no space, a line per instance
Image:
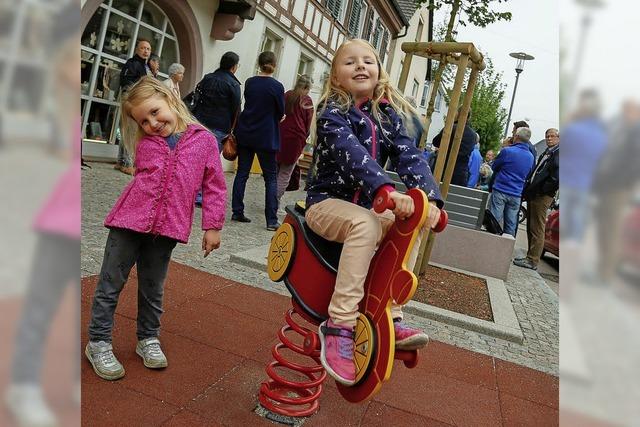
383,89
148,87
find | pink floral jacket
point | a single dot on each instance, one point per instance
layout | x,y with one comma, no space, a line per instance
160,198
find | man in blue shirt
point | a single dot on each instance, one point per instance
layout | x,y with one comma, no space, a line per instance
510,171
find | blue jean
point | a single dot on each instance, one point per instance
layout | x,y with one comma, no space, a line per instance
269,172
505,210
124,158
219,135
125,248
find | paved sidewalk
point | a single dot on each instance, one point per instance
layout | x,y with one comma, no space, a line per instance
217,334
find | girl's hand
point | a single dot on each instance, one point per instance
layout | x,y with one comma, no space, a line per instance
404,205
210,241
434,215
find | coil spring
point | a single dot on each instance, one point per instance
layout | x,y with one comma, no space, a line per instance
287,397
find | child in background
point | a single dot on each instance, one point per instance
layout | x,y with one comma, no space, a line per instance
174,157
358,129
294,130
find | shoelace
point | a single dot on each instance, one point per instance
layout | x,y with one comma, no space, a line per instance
153,350
107,358
345,347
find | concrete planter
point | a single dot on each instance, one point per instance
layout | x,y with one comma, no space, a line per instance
474,251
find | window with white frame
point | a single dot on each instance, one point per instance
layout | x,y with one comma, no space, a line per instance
415,88
377,34
358,10
367,28
438,101
305,65
107,42
336,8
425,94
271,42
384,45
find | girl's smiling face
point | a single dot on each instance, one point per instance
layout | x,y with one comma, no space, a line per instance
356,70
155,117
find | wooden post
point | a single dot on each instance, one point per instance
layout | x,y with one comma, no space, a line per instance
442,151
444,189
404,74
462,55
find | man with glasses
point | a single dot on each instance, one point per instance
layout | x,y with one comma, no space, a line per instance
539,192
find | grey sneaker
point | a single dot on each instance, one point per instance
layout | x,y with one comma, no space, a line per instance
151,353
104,362
525,263
28,407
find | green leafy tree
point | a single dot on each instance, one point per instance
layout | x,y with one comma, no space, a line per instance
476,12
487,115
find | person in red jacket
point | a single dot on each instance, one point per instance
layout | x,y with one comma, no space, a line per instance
294,130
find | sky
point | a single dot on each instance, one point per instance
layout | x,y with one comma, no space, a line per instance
533,29
609,62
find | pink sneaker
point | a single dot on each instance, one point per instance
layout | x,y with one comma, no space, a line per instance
409,338
336,354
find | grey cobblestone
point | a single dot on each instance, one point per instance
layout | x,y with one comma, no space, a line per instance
536,306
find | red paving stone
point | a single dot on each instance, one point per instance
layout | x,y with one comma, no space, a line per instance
527,383
381,415
520,412
218,336
441,397
189,419
455,362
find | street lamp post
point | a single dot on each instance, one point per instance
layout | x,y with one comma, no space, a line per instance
589,6
521,57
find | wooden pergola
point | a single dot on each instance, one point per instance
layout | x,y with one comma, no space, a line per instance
464,56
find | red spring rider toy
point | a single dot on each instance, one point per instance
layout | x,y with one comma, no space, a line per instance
308,265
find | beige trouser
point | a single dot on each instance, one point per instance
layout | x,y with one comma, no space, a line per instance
361,231
536,219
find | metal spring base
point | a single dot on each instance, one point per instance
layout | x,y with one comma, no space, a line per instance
287,397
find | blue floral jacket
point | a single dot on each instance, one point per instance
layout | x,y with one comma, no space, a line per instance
350,150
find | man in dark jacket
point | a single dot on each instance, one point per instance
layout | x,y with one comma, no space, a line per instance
132,70
136,66
510,171
220,97
461,169
539,192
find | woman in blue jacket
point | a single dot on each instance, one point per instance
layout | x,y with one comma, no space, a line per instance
258,133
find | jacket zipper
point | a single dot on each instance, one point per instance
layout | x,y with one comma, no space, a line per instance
374,145
164,189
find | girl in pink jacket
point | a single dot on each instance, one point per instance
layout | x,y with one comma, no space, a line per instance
174,158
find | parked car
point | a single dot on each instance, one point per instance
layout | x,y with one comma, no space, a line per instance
630,253
552,231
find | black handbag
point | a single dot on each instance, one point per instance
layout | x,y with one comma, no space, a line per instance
192,100
491,224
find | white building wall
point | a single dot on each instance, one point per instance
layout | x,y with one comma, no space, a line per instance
247,45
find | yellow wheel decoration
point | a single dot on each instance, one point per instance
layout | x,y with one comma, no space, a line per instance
280,252
364,346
